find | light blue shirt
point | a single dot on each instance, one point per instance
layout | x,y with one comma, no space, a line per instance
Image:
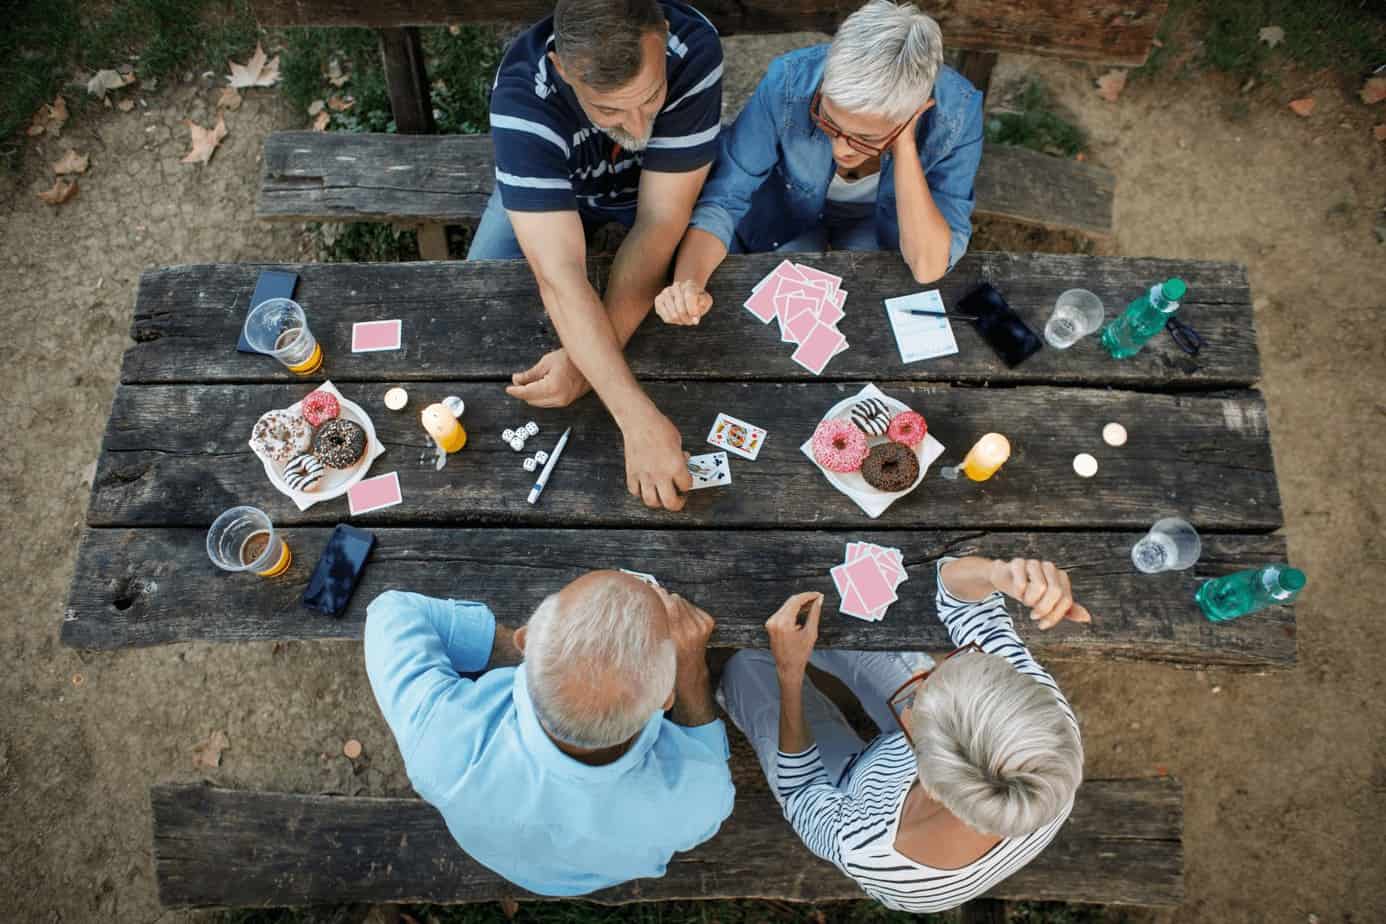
474,749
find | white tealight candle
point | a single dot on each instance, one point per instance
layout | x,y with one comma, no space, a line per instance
1085,465
396,399
1114,434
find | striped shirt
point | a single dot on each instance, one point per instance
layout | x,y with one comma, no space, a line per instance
853,825
551,158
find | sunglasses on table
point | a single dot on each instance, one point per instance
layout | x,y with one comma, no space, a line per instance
902,699
832,130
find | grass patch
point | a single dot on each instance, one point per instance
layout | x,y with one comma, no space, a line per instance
1035,125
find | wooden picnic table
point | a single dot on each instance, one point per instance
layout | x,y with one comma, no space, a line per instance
175,455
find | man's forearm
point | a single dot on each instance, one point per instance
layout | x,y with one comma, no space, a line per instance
794,731
700,254
592,343
925,237
504,652
693,702
968,579
637,274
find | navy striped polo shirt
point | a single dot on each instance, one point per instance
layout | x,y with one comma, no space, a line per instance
551,158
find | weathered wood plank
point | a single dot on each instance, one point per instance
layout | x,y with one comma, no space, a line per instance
228,848
1107,31
406,80
484,321
177,455
341,176
154,586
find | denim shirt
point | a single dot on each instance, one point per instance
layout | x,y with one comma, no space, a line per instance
473,748
774,165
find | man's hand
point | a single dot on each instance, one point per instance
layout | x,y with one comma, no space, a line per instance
683,303
656,465
791,643
1040,585
551,382
690,628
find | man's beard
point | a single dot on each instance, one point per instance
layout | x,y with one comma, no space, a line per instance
625,139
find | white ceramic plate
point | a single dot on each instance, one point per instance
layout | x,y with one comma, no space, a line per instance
335,481
852,482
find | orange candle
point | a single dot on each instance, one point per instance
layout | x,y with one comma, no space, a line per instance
986,456
445,429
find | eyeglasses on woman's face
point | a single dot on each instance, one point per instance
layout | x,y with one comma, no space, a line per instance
903,699
860,145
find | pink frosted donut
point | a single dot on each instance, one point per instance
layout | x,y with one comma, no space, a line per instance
839,446
907,427
320,407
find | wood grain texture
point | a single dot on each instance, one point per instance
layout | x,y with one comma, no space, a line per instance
1106,31
478,321
177,455
406,79
226,848
341,176
154,586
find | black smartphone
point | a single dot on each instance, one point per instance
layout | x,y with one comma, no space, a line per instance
999,325
270,284
329,589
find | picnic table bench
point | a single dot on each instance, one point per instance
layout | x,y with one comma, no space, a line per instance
175,455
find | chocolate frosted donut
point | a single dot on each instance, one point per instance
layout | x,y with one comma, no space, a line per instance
890,467
340,443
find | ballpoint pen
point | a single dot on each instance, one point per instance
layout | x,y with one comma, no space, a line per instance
538,488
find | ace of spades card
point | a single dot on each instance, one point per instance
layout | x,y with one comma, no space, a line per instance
711,470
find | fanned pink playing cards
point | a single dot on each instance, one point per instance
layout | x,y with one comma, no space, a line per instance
807,303
868,579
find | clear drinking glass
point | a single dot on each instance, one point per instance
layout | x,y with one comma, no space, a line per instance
1171,545
244,539
279,327
1077,313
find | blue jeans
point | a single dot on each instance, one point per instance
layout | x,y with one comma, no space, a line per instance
849,229
495,238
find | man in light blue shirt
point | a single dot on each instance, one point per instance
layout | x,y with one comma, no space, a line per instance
561,773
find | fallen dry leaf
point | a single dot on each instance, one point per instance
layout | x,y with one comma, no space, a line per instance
352,748
257,72
1080,156
204,140
320,123
315,107
338,104
1271,35
125,105
335,75
71,162
49,117
106,80
509,907
1302,107
1373,91
208,753
229,99
1110,85
1380,132
62,191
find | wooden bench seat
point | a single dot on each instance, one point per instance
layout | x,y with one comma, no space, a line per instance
227,848
447,179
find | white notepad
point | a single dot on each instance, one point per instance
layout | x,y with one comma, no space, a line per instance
919,336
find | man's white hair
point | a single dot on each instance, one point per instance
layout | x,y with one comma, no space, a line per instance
598,669
883,60
995,746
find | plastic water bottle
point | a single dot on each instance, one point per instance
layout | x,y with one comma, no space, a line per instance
1143,319
1246,592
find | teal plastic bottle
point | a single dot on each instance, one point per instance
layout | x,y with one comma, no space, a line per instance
1143,319
1246,592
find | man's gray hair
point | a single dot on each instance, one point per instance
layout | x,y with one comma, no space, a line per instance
599,40
884,60
995,746
599,669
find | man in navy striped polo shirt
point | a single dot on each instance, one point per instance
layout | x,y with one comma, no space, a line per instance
607,111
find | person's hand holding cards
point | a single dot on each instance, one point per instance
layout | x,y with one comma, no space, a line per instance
792,643
683,302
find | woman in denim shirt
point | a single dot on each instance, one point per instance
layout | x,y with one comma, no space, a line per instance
869,143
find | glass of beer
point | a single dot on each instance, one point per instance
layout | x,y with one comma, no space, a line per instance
244,539
279,328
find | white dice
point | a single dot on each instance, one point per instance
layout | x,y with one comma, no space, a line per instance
531,464
507,435
532,429
541,457
518,444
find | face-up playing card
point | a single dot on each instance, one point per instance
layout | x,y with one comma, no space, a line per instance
736,436
372,336
641,576
711,470
374,493
822,344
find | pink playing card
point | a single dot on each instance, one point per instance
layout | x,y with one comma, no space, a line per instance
817,275
799,327
852,603
830,312
821,345
866,577
370,336
374,493
762,303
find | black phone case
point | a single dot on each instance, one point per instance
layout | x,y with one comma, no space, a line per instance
271,284
1001,327
335,574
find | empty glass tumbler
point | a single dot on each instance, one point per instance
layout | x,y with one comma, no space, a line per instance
244,539
279,327
1077,313
1171,545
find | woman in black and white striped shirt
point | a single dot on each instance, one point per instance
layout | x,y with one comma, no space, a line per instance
980,775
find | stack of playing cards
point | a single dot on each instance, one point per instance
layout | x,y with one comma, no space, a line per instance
808,304
867,580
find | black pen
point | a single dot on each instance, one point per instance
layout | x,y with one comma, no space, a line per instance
937,314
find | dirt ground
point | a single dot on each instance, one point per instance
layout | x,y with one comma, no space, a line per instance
1285,773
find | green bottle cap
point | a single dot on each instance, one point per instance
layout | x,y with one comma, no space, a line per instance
1174,289
1292,579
